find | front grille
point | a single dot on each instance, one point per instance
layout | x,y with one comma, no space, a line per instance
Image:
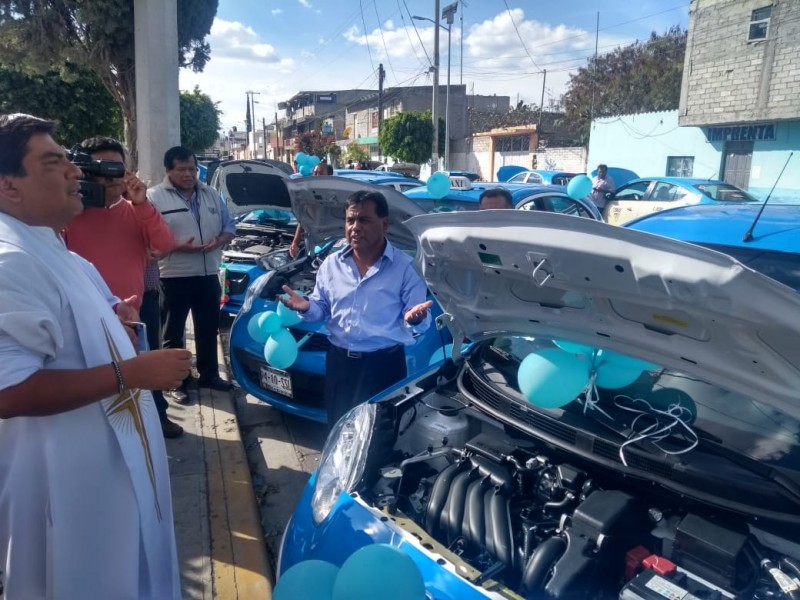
475,385
308,389
318,342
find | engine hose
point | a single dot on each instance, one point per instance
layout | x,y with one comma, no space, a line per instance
439,494
540,564
561,504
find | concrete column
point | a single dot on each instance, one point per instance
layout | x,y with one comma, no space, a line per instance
158,124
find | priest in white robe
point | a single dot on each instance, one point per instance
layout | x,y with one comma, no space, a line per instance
85,506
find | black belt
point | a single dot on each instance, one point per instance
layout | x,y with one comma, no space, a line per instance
356,354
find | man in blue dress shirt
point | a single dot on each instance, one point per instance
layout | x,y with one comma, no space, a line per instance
373,301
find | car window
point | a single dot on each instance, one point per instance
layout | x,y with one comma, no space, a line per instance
562,179
408,186
632,191
665,192
724,192
444,205
518,178
534,178
554,203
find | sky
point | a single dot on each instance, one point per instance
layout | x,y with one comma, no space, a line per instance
513,48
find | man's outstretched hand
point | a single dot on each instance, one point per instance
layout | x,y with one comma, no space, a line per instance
416,314
294,300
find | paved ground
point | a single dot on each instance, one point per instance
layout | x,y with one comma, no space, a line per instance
228,523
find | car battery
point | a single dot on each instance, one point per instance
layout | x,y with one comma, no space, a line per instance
675,585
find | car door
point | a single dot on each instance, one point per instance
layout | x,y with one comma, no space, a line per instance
663,195
557,203
627,203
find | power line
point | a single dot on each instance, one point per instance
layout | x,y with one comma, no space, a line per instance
366,36
414,25
521,41
383,40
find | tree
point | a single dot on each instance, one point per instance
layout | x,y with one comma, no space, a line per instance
199,120
355,153
408,137
643,77
317,144
78,101
45,35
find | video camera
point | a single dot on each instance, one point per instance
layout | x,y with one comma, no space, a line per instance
93,194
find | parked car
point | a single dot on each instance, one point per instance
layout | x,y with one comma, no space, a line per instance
773,247
319,205
543,177
548,198
396,180
403,168
624,423
271,228
642,196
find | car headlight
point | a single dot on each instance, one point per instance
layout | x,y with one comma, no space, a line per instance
343,459
254,291
274,260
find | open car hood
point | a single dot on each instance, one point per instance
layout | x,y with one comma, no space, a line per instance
318,204
681,306
248,185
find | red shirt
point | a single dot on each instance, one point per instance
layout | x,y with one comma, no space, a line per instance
116,240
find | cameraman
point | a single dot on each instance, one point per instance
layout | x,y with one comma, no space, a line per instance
116,238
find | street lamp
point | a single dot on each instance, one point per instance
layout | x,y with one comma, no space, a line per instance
447,14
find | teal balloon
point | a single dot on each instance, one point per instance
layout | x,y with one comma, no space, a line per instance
379,572
280,349
579,187
551,377
612,377
438,185
441,354
313,160
301,158
304,170
623,360
574,348
263,324
288,317
307,580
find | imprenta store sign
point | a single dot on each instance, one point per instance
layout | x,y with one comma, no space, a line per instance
765,132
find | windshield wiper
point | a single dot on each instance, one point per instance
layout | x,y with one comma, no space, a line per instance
783,481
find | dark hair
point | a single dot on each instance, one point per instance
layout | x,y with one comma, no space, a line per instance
361,196
328,168
602,166
177,153
494,192
101,143
16,130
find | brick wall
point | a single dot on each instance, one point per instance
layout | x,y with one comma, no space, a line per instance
727,79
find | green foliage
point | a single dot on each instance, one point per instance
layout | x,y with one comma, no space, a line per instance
317,144
199,120
408,137
355,154
80,103
45,35
643,77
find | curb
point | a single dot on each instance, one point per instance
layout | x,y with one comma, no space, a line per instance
238,549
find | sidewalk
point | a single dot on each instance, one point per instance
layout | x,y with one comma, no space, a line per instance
221,547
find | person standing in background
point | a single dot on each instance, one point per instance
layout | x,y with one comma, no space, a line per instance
602,184
195,213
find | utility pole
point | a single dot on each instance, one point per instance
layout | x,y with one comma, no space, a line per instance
381,77
435,116
279,151
252,105
541,108
264,128
447,15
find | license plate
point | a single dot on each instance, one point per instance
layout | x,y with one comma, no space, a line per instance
277,381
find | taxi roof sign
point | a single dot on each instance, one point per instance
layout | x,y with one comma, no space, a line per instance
459,182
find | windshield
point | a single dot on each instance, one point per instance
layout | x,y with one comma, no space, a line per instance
433,205
268,216
781,266
724,192
638,394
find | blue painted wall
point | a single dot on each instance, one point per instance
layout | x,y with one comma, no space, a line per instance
642,143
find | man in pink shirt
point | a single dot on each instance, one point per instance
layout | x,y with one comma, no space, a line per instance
117,237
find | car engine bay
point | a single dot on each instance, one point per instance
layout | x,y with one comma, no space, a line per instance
529,520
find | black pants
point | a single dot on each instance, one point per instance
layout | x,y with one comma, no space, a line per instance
201,296
352,378
150,314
